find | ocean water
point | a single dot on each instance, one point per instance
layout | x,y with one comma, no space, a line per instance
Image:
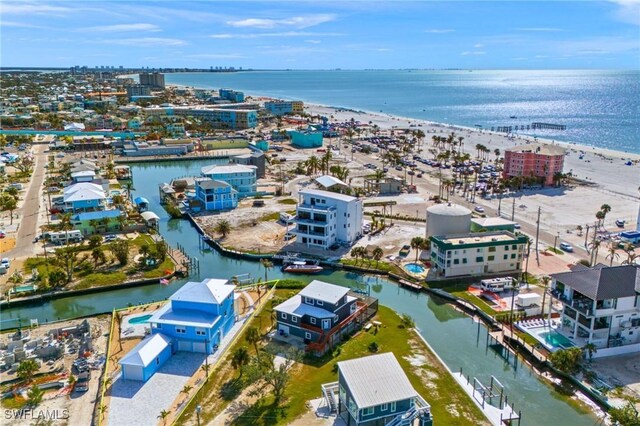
599,108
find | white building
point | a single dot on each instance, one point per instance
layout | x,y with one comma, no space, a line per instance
242,178
477,253
599,305
325,218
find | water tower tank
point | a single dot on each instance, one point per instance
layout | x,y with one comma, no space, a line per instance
446,219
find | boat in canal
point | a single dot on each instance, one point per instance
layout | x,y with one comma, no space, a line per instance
302,268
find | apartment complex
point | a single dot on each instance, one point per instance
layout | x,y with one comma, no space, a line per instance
599,305
137,90
242,178
477,253
284,107
222,118
231,95
326,218
534,160
155,80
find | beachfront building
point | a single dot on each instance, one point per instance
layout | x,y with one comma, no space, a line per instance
216,195
284,107
242,178
539,160
154,80
477,253
84,197
196,319
374,390
326,218
599,305
138,90
221,118
320,313
231,95
305,138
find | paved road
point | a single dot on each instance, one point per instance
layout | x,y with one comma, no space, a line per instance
30,207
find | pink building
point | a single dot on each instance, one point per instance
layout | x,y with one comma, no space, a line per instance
536,159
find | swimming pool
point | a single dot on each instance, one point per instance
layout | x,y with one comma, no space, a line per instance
550,338
139,320
414,268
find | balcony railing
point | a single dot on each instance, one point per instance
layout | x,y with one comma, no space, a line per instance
315,207
315,234
583,306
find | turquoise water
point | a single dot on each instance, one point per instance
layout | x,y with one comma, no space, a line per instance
600,108
414,268
140,320
552,338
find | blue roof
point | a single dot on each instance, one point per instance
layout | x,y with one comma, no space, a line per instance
140,200
97,215
630,234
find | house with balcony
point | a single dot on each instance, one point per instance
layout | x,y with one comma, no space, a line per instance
216,194
242,178
599,305
320,313
374,390
325,218
196,319
84,197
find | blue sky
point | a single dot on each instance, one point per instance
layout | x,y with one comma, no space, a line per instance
320,35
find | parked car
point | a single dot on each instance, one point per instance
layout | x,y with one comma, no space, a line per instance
566,247
479,209
620,223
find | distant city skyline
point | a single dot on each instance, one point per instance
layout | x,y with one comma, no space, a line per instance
322,35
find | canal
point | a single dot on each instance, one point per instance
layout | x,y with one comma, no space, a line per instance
459,340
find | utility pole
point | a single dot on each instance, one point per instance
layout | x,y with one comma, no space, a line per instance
537,234
513,210
499,202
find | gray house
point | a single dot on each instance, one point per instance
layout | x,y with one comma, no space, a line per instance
374,391
320,313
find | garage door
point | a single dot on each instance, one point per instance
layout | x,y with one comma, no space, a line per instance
184,345
132,372
199,347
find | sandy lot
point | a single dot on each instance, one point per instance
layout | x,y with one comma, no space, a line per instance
623,370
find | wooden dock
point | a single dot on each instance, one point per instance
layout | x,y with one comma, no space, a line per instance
411,286
490,399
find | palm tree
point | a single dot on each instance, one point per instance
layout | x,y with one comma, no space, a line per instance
595,246
253,338
612,254
98,256
163,415
377,254
223,227
312,164
416,244
545,284
325,161
605,208
266,264
600,215
240,358
355,252
629,249
186,389
129,187
591,349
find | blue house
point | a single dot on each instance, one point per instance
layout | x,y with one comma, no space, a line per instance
320,314
216,194
374,390
84,197
196,319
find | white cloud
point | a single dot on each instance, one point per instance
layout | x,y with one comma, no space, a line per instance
541,29
295,22
383,49
474,52
628,11
18,24
438,31
541,56
145,41
26,8
278,34
477,46
119,28
313,41
521,58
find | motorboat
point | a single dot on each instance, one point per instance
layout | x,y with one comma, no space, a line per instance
303,268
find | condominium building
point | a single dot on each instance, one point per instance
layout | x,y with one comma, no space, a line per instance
477,253
284,107
231,95
154,80
534,160
326,218
242,178
222,118
599,305
137,90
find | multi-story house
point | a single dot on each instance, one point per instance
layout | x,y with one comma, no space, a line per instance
231,95
326,218
320,314
539,160
599,305
374,390
196,319
84,197
284,107
242,178
216,194
477,253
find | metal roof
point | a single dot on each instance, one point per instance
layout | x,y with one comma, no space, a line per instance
327,181
603,282
208,291
326,292
146,351
294,306
327,194
235,168
183,317
148,215
375,380
211,184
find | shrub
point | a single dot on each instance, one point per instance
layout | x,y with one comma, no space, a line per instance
373,347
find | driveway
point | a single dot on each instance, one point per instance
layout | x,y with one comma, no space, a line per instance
139,403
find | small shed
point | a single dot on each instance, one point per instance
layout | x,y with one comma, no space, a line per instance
146,358
141,203
150,218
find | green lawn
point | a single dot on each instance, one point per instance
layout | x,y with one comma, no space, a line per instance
289,201
372,264
450,405
475,300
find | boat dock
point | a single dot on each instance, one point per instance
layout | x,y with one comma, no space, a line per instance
491,399
409,285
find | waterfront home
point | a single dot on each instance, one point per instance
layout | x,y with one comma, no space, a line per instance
216,195
253,159
540,160
325,218
599,305
242,178
284,107
83,176
320,313
196,319
477,253
374,390
97,221
83,197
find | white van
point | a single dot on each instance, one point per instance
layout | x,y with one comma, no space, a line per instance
496,285
61,237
